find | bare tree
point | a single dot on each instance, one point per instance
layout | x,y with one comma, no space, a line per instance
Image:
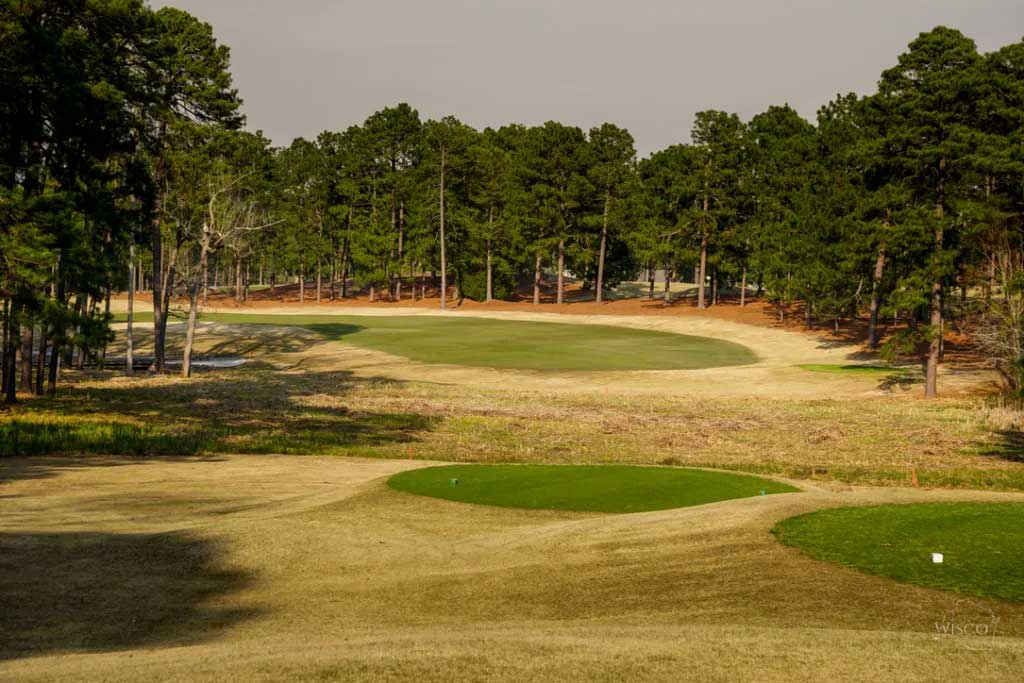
1000,329
231,216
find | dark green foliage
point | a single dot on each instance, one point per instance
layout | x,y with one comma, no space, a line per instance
118,120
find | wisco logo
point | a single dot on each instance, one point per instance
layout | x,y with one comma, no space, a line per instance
968,619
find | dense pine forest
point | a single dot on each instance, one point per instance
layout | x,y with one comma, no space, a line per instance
125,162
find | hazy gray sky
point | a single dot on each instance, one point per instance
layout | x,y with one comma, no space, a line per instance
304,66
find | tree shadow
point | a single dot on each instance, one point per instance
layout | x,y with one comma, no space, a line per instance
1009,446
271,338
43,467
334,331
902,378
246,410
86,592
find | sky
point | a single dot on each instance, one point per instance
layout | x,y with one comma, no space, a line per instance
304,66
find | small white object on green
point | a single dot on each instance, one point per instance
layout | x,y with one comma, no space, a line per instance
937,558
453,482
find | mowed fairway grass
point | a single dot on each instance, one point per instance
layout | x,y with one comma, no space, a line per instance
982,544
512,345
584,488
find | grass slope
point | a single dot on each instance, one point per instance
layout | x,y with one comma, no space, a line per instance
606,488
983,544
513,345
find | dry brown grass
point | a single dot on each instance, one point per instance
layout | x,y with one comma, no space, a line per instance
311,396
224,567
304,568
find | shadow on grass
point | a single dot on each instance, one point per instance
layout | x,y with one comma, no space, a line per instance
244,410
905,379
1008,446
68,592
262,338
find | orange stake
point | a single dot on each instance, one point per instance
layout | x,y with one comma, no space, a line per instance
913,477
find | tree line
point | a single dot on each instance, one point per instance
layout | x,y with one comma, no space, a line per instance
125,162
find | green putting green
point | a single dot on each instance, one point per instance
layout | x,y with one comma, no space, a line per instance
982,544
514,345
590,488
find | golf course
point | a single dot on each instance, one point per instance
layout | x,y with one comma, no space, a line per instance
619,493
479,342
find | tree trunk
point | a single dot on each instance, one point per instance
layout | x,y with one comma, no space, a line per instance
559,297
238,279
129,350
3,351
702,273
934,346
302,285
41,361
106,313
444,255
52,371
401,250
206,281
81,303
650,281
10,355
536,281
668,286
159,314
601,253
4,332
162,291
490,256
319,263
26,358
193,309
876,294
190,333
743,288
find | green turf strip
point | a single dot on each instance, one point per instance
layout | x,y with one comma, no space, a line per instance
982,544
593,488
515,345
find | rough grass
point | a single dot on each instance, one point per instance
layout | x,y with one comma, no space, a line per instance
982,544
606,488
516,345
857,369
257,409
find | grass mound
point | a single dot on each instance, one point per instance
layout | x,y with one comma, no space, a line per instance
513,344
591,488
982,544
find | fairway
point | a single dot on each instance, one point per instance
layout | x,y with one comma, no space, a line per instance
982,544
513,345
597,488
